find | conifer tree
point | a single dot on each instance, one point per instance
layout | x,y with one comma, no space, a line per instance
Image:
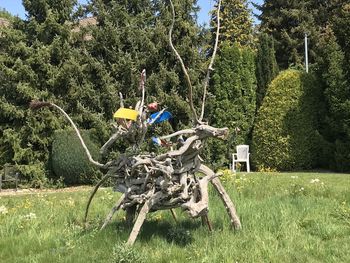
288,21
39,60
131,36
236,22
233,101
341,27
266,66
331,68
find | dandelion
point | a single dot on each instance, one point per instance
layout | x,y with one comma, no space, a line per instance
3,210
27,204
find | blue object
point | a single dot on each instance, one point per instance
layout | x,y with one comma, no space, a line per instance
156,141
166,115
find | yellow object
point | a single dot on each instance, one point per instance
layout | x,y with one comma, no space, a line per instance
124,113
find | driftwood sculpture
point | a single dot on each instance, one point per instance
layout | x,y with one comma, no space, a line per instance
150,182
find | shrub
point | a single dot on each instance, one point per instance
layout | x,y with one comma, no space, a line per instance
342,155
233,102
179,236
123,253
285,135
266,66
69,160
34,174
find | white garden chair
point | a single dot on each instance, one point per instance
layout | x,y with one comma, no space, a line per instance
242,156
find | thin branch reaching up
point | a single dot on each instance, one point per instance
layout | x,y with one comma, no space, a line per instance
187,77
142,87
38,104
121,100
210,68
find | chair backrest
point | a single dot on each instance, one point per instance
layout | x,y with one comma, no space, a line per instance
242,151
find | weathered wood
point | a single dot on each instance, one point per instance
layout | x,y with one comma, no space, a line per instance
152,182
187,77
210,67
130,214
230,207
93,193
205,221
142,216
114,209
173,213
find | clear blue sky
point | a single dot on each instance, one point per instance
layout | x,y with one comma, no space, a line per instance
15,7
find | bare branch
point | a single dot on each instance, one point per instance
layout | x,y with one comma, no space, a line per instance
104,178
121,100
230,207
142,87
114,209
187,77
187,131
41,104
157,116
210,68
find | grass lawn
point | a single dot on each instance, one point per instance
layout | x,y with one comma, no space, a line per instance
286,217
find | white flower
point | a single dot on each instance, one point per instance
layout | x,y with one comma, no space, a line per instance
30,216
3,210
316,180
301,189
294,177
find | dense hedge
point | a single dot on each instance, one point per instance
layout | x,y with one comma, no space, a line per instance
233,100
285,135
69,160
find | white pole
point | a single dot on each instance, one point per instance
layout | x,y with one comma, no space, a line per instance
306,55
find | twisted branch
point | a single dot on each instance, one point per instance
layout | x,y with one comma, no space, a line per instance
39,104
210,67
187,77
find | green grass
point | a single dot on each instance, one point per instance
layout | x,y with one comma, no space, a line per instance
285,218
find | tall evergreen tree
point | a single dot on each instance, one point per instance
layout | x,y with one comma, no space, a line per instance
236,23
40,60
266,66
288,21
331,62
341,27
133,35
234,99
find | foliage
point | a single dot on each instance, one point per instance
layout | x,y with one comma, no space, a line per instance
330,68
236,23
69,160
39,60
123,253
288,21
233,102
266,66
179,236
338,91
43,58
134,36
285,134
34,175
341,27
5,14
